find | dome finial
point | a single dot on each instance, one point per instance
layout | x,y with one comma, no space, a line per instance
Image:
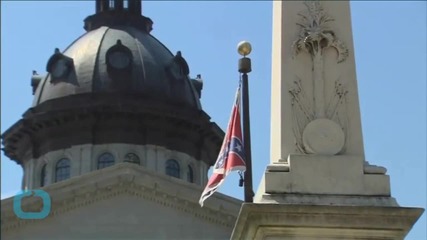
131,6
118,12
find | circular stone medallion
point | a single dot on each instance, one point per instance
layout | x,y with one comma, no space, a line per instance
323,136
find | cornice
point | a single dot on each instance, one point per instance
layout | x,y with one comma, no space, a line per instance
256,221
131,180
50,121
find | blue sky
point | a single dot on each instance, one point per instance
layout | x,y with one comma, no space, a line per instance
390,45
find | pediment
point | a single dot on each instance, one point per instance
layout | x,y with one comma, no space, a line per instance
131,193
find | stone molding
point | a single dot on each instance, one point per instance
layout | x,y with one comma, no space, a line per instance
126,179
314,175
327,200
101,119
280,221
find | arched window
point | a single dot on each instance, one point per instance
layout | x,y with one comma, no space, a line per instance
132,158
172,168
105,160
62,170
190,174
43,176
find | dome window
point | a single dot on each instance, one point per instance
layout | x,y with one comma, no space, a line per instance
62,171
119,58
59,66
172,168
105,160
111,4
132,158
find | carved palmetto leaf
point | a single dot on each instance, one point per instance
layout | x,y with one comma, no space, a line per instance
315,37
315,34
299,46
341,49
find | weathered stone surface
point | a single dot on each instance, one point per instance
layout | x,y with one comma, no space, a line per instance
285,222
125,201
316,134
320,174
313,77
318,184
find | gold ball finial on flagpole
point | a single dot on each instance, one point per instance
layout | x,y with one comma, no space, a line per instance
244,48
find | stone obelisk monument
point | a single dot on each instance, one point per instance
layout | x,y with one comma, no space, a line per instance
318,184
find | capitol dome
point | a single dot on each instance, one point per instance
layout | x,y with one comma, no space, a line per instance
116,94
122,57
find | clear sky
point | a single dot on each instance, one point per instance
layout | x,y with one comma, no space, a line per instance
390,45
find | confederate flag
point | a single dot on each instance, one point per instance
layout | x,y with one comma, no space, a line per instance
231,156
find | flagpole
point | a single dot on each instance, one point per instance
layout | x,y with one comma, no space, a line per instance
244,48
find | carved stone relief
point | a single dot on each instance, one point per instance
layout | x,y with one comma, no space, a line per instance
320,124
